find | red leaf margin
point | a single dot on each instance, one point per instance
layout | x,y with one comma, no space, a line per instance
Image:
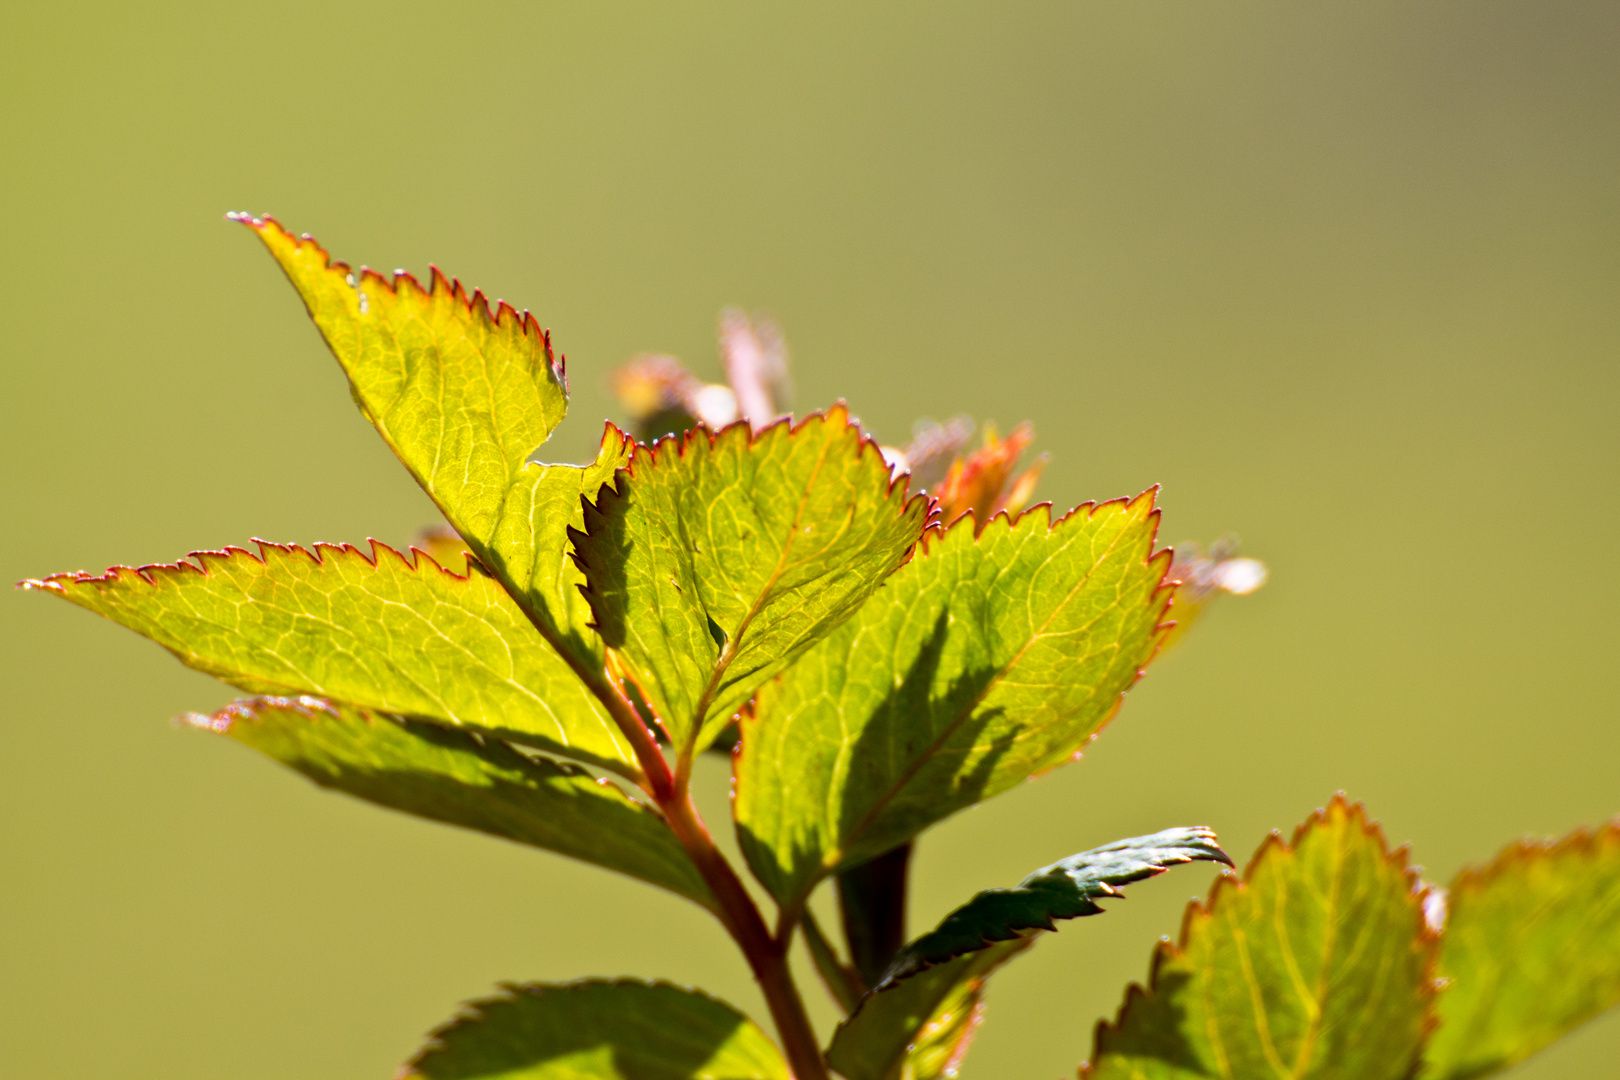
476,305
149,573
647,456
1584,840
1163,592
1201,912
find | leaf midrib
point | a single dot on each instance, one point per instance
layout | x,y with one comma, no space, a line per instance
962,715
732,646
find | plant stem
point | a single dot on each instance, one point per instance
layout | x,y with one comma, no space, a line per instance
660,782
872,898
767,956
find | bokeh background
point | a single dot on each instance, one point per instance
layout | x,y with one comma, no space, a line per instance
1340,276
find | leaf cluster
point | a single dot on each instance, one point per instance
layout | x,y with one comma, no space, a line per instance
548,667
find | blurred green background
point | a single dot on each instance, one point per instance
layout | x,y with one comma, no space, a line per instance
1341,276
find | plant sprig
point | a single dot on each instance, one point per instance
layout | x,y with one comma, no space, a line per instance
887,636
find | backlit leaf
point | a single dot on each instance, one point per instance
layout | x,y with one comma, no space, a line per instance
1531,950
924,1024
463,779
981,662
464,395
620,1030
379,633
1316,964
1068,889
716,558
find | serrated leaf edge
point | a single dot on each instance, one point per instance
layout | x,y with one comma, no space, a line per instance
1586,839
938,532
1091,510
1202,911
1106,890
647,455
316,553
477,304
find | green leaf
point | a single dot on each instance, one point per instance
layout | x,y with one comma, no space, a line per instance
380,633
920,1029
720,557
619,1030
843,983
1068,889
1315,965
979,663
1531,950
464,396
463,779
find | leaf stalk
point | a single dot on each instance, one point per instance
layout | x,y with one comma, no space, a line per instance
766,955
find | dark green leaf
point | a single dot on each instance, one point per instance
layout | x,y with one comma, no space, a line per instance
462,779
382,633
1068,889
1531,950
771,539
981,662
1316,965
598,1030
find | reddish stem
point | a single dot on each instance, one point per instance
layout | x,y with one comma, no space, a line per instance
767,956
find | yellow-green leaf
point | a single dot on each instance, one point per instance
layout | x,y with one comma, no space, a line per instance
598,1030
464,779
981,662
1315,965
717,558
1531,950
464,394
382,633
